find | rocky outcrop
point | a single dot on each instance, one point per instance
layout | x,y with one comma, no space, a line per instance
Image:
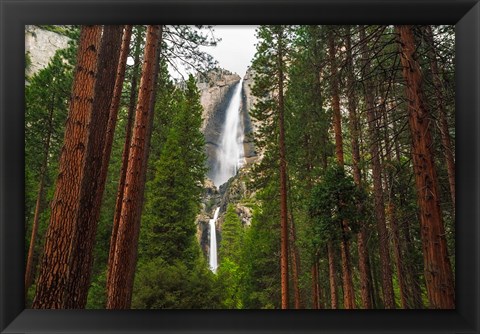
40,47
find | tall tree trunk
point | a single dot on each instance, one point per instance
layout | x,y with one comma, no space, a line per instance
126,148
283,176
114,106
315,292
120,286
387,286
411,275
295,264
357,176
437,268
38,204
348,295
92,185
391,207
145,161
63,231
444,133
332,276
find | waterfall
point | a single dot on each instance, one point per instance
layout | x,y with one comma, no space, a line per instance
230,153
213,242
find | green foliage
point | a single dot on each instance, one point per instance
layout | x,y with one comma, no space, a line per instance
174,285
260,256
229,276
173,196
335,199
232,235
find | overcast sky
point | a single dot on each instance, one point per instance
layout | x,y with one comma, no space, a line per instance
236,49
234,52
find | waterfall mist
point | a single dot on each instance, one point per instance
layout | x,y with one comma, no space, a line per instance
230,152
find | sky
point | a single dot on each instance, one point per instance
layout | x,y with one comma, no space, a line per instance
236,49
234,52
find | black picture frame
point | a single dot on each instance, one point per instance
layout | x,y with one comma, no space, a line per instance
15,14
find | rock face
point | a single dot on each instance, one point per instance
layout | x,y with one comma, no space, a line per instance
250,125
248,101
40,46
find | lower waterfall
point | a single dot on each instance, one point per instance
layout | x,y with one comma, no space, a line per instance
213,242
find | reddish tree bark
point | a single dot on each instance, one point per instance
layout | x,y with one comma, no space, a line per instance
63,231
315,292
357,175
120,285
437,268
332,277
126,147
92,185
295,264
442,118
348,293
387,286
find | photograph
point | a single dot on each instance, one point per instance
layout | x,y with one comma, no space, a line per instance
240,167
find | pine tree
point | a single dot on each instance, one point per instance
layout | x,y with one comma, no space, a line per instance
168,230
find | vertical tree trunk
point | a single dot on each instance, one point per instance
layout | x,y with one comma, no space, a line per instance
437,268
387,286
348,295
444,133
120,288
145,160
114,106
283,177
391,208
92,185
357,176
126,148
332,276
38,204
63,231
295,264
315,292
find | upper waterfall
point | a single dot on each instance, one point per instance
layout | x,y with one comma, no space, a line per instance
230,152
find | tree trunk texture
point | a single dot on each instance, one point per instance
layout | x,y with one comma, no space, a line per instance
61,239
391,208
357,175
315,292
295,256
92,185
348,295
120,288
387,286
38,205
442,117
114,106
126,148
332,277
437,268
145,160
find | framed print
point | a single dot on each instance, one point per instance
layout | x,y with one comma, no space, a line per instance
239,166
